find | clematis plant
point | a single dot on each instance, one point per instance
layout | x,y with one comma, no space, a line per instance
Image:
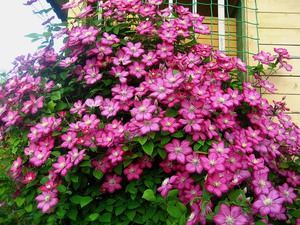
135,121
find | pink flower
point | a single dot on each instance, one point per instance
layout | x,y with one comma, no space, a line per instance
230,216
201,28
169,124
122,92
79,108
222,101
213,163
88,35
103,164
29,177
75,156
120,73
33,104
147,126
166,186
137,69
46,200
164,50
121,59
62,166
178,150
113,183
269,203
109,39
17,164
69,140
159,90
287,193
264,58
150,59
116,154
193,163
109,107
40,157
68,61
49,186
133,171
143,110
183,181
216,184
134,50
145,27
11,118
92,75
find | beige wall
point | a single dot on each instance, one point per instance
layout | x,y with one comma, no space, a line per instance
279,27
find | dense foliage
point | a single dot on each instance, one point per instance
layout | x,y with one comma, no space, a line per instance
136,121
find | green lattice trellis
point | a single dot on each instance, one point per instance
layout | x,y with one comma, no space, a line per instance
235,10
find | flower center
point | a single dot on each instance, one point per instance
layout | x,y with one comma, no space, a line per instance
268,202
178,150
262,183
229,220
161,89
47,198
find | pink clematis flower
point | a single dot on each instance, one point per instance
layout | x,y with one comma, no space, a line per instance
230,215
178,150
269,203
46,200
62,166
113,183
29,177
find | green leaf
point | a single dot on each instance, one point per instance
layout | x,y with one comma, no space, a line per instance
75,199
182,207
142,140
178,134
98,174
149,195
55,96
174,211
110,201
120,209
61,188
20,201
61,106
85,164
74,179
56,133
133,205
165,140
234,196
148,148
259,223
105,218
283,165
116,30
196,146
131,214
163,154
173,193
85,201
296,213
61,212
51,106
206,195
72,213
93,216
28,208
171,113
